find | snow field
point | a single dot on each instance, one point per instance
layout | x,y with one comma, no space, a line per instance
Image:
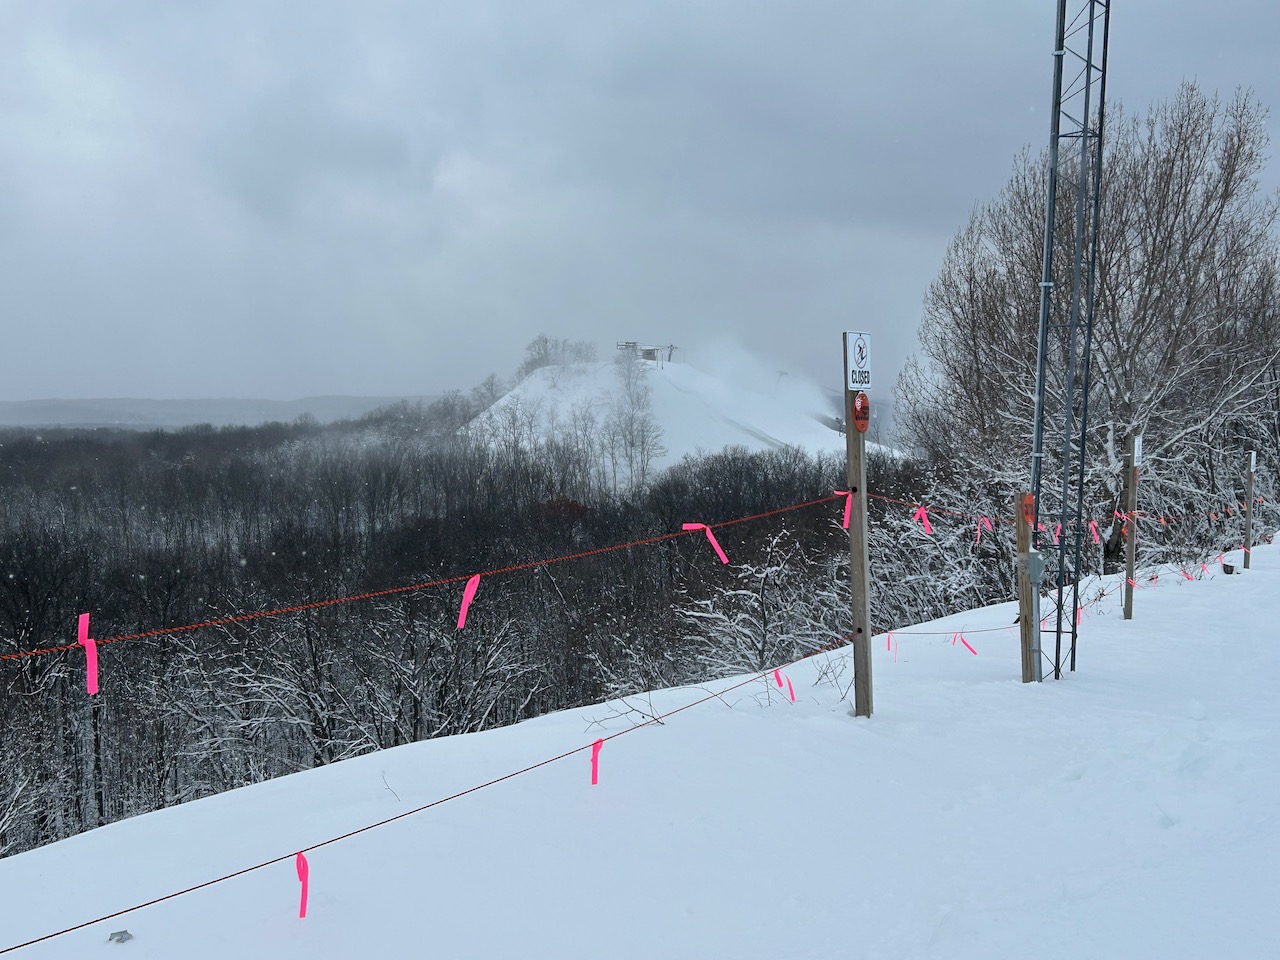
1126,811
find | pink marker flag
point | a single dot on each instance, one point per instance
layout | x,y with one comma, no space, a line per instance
967,647
1057,532
1187,575
595,761
304,875
1204,566
1093,528
924,520
1132,582
710,536
90,654
791,690
468,595
888,643
777,678
848,505
983,522
1079,614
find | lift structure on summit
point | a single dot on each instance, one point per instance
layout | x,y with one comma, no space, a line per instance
1067,287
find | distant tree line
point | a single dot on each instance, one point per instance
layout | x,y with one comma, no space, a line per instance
160,529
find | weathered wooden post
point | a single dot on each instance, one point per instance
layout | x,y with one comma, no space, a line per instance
857,416
1248,508
1133,460
1030,567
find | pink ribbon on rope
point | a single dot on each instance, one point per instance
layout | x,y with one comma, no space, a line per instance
1093,529
468,594
983,522
848,505
924,520
595,761
710,536
90,654
304,876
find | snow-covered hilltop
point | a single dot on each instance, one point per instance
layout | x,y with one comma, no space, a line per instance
693,411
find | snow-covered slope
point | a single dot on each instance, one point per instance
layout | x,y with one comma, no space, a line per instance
1127,811
696,411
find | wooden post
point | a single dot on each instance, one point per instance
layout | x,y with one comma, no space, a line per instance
855,420
1024,514
1133,459
1248,508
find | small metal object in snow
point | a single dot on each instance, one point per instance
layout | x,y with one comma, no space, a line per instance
120,936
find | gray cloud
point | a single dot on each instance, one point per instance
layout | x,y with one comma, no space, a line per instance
287,199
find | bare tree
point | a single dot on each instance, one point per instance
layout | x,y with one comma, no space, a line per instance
1187,321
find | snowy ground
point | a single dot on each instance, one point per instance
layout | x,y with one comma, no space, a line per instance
1127,811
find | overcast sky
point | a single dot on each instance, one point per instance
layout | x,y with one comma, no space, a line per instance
287,199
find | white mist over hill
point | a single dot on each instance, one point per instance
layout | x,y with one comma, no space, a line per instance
696,411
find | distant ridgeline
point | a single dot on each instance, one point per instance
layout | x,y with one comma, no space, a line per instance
137,414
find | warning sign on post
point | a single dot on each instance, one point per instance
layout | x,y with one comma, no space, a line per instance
861,411
857,352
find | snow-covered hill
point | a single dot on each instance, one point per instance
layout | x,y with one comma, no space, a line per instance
696,411
1126,811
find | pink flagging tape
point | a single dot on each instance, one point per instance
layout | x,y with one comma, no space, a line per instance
1093,529
710,536
468,594
1132,582
791,692
1204,566
90,654
848,505
1186,575
1057,533
595,761
967,647
777,678
924,520
304,877
983,522
1079,613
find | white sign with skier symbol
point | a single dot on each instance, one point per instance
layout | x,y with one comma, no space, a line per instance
857,350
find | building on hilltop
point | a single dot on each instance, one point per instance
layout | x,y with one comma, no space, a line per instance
660,354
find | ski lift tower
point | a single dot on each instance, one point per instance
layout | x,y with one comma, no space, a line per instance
1066,309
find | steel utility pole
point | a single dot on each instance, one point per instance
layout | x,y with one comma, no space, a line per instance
1066,316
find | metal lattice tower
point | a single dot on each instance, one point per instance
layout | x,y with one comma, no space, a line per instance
1066,308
